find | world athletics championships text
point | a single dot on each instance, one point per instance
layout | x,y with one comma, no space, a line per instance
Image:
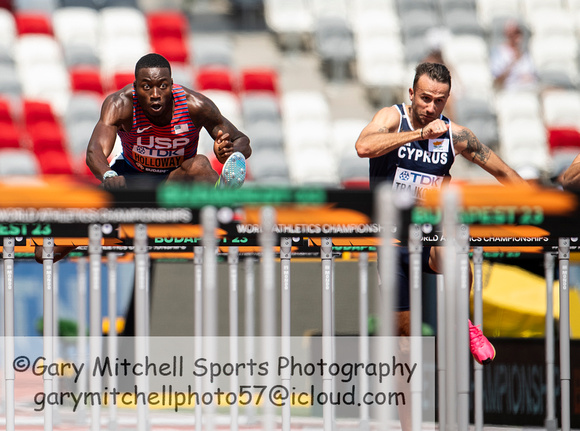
103,215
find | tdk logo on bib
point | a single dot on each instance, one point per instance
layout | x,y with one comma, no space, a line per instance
416,183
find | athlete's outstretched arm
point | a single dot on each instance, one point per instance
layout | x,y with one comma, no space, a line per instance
102,140
570,179
467,144
227,138
379,137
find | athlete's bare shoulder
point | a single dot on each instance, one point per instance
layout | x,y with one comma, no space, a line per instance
386,119
201,108
118,106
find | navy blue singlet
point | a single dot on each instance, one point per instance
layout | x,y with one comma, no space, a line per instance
415,166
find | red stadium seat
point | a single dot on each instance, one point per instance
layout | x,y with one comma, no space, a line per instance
33,23
259,79
5,112
564,137
54,162
161,24
10,136
120,79
86,78
35,111
174,49
215,78
46,136
6,4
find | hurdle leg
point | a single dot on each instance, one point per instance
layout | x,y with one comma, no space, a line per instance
95,316
327,327
463,352
450,206
210,299
250,324
478,320
363,339
233,260
285,328
564,262
268,302
112,340
198,322
416,307
82,330
8,261
388,217
550,422
48,327
141,318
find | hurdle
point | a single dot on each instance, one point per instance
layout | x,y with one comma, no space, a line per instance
455,291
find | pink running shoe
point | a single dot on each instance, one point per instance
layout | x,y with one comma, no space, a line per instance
481,349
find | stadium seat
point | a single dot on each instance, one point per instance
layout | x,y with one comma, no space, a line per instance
489,10
269,167
167,23
258,106
512,105
46,6
8,33
120,79
18,162
33,23
265,134
35,111
54,86
215,78
563,137
524,144
373,22
34,49
301,105
462,21
353,171
46,136
334,44
552,22
291,21
6,111
344,133
313,166
54,162
86,78
561,108
461,49
77,26
259,79
212,50
117,22
174,49
10,136
10,84
329,8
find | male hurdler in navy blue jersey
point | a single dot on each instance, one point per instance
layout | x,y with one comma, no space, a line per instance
413,147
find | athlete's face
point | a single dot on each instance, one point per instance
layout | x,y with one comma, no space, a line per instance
428,99
153,88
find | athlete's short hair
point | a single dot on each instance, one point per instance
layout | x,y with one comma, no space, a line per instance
151,60
435,71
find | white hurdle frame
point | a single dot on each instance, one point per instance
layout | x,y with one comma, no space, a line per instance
452,298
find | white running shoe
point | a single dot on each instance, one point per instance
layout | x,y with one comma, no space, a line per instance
233,173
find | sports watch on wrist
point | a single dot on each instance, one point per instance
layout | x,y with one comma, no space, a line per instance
109,174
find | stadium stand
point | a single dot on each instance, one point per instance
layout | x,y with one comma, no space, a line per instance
52,50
